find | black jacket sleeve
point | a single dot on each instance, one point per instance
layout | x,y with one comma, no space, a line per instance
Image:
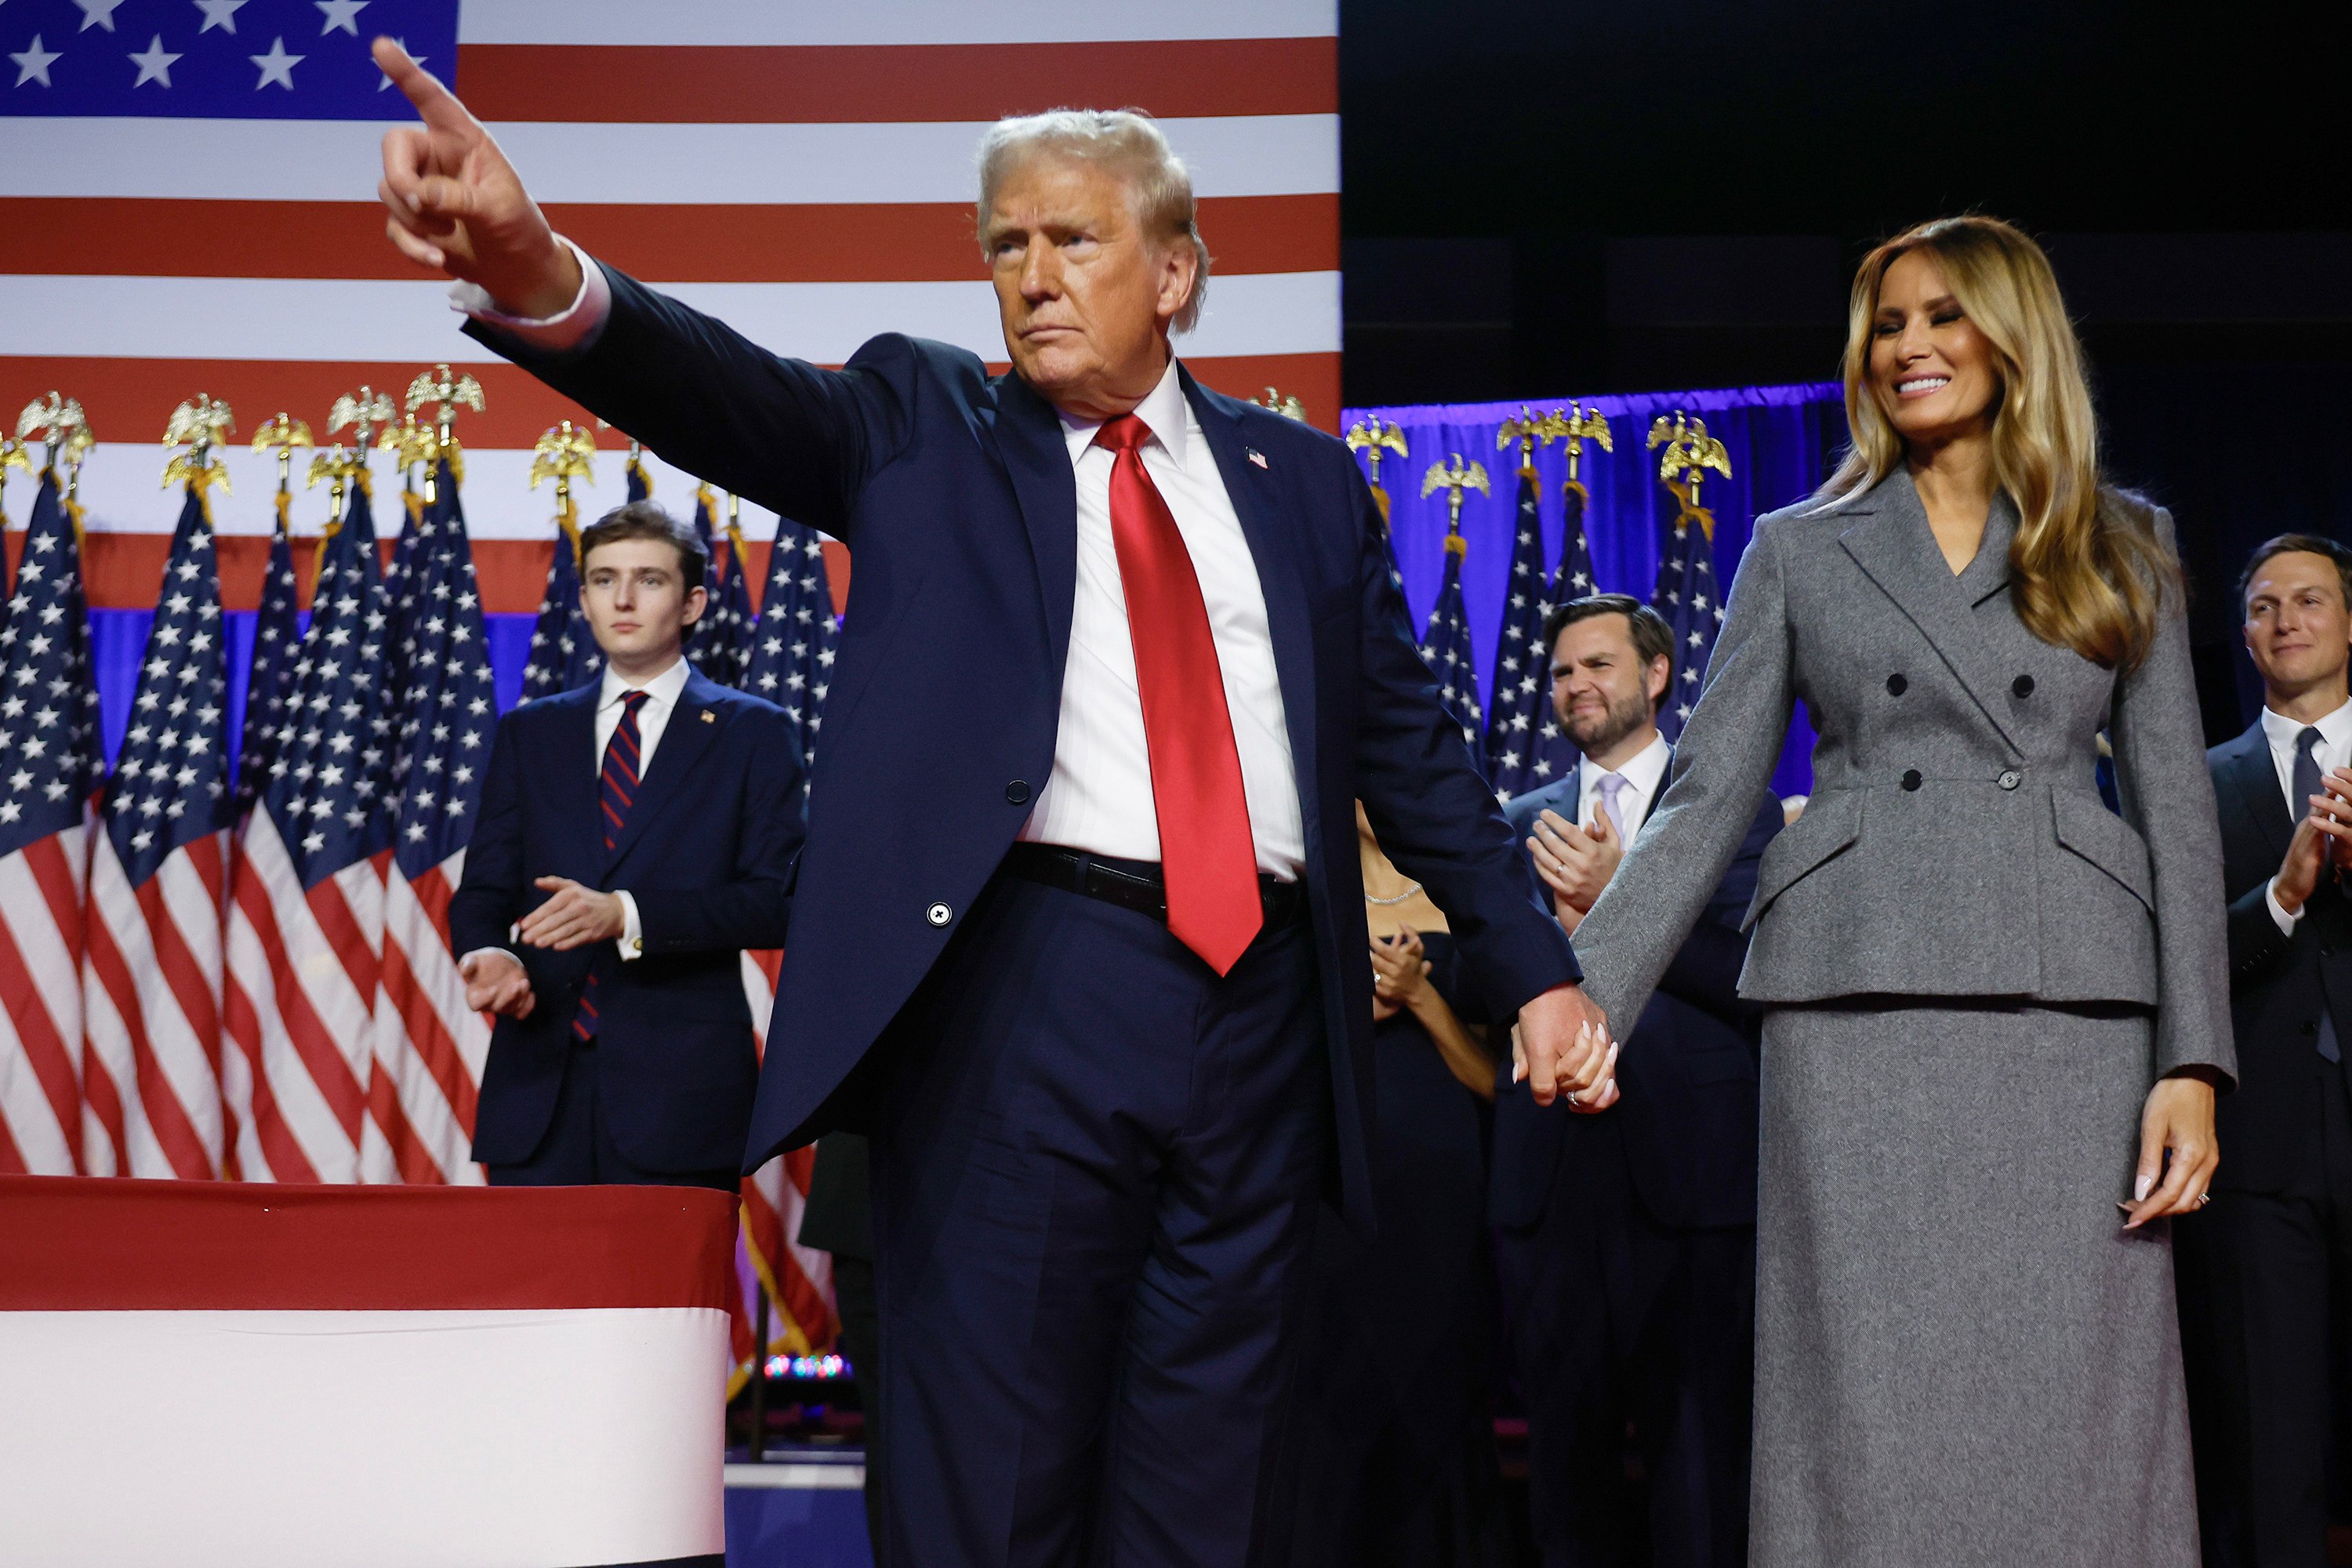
787,433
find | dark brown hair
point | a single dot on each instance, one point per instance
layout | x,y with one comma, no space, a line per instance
1653,638
2297,544
644,519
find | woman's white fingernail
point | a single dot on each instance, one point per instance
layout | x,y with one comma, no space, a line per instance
2140,1187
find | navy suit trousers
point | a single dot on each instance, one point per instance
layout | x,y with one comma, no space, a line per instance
579,1150
1095,1170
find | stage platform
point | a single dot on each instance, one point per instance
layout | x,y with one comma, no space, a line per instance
802,1507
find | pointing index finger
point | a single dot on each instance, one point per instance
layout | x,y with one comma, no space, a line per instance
435,105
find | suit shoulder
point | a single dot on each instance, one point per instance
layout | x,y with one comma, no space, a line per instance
2219,756
745,707
895,356
533,712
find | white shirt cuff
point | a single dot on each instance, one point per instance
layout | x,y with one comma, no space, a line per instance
632,933
576,326
502,953
2286,922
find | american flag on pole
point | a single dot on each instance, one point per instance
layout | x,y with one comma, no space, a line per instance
48,750
429,1046
1687,597
563,652
306,910
716,642
151,970
277,644
1445,647
190,202
1521,731
793,647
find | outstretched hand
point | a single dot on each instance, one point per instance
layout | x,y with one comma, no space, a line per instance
457,205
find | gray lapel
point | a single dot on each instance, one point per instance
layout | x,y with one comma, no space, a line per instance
1895,547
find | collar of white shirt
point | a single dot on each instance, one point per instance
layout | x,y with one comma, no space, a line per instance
663,689
2283,732
1164,412
1644,770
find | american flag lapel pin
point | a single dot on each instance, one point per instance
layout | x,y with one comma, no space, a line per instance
1256,456
708,717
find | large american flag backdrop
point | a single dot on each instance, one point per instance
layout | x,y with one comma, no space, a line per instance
187,206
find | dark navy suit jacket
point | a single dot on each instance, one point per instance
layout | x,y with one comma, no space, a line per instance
708,854
1687,1069
2279,985
954,492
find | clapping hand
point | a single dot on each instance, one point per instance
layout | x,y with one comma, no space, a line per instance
1575,862
574,916
1400,973
496,983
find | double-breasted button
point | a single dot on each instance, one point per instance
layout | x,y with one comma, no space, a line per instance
2010,778
939,914
1896,684
1911,779
1017,792
2021,687
2311,1028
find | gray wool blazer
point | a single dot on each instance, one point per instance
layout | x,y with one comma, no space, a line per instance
1955,844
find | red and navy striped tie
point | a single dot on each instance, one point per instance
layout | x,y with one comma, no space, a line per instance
618,788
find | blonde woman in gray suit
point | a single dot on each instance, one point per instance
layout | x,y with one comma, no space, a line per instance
1996,1012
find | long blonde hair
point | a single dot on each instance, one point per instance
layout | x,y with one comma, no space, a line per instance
2086,572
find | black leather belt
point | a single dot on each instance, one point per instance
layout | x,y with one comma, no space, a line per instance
1135,885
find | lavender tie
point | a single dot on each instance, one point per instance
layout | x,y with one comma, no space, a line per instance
1613,786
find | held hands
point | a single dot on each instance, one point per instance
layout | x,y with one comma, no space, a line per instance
457,207
2177,1150
495,983
574,917
1561,1047
1575,862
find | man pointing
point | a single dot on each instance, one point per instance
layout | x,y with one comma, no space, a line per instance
1085,950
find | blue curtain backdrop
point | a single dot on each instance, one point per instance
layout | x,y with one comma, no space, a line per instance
1782,442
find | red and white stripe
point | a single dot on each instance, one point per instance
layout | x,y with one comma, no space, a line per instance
298,1013
429,1047
806,173
41,926
798,1279
151,1015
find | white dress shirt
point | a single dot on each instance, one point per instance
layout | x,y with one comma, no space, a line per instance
2333,751
1644,772
1099,797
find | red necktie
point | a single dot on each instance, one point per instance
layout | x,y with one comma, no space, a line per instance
1205,849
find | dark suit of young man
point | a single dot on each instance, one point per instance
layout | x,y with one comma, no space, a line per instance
1627,1245
659,1088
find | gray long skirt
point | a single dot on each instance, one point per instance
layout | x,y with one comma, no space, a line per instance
1961,1357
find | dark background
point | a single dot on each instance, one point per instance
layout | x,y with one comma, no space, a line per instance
1556,200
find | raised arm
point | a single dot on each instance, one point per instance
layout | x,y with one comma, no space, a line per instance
784,432
1722,763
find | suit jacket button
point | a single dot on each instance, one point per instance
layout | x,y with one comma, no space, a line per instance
939,914
2010,778
1896,685
2021,687
1911,779
1017,792
2311,1028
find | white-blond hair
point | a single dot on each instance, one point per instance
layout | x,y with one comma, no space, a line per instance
1126,143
